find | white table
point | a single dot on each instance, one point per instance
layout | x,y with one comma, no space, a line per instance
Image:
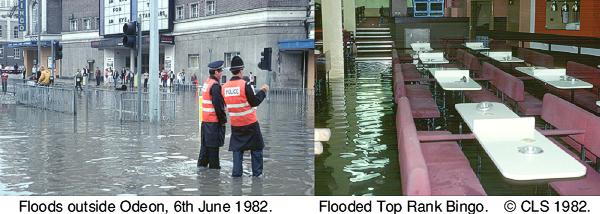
476,46
557,78
452,80
501,137
502,56
433,58
421,47
598,103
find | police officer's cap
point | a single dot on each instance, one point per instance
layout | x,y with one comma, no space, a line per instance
236,64
216,65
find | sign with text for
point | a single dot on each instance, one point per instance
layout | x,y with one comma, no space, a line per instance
298,204
22,7
115,13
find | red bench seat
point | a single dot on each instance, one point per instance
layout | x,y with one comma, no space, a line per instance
431,168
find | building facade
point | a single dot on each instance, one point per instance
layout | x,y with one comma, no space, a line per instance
9,32
201,31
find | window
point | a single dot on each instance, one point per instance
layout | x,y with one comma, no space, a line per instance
1,33
210,8
16,32
87,25
228,57
194,61
73,25
179,13
97,23
17,53
1,52
194,10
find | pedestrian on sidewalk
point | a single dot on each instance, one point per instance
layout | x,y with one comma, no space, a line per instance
146,75
4,81
171,78
194,79
98,76
164,76
44,79
131,79
78,80
115,77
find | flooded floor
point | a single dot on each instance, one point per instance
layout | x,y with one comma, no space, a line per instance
361,157
50,153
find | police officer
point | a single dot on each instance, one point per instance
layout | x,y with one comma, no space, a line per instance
245,131
213,118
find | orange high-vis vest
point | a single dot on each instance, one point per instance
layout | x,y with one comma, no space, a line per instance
208,110
240,111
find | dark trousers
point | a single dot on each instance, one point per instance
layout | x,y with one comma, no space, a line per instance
97,81
78,86
257,163
145,83
4,85
209,157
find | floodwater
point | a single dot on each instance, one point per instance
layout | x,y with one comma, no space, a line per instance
361,157
50,153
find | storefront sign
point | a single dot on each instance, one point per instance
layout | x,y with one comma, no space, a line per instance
22,7
115,13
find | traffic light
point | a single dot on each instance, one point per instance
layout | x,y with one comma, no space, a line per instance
265,60
129,34
58,50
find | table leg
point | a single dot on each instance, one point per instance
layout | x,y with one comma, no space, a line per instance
444,100
573,96
479,163
462,96
460,131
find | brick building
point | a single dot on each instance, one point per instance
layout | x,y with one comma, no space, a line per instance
200,31
9,32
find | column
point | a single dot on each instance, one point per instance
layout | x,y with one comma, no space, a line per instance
153,88
333,38
350,15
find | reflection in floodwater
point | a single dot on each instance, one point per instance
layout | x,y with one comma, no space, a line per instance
361,157
49,153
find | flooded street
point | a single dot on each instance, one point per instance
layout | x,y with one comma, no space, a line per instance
361,157
50,153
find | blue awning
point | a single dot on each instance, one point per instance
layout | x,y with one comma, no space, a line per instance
300,44
28,44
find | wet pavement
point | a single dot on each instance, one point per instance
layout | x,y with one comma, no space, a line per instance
51,153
